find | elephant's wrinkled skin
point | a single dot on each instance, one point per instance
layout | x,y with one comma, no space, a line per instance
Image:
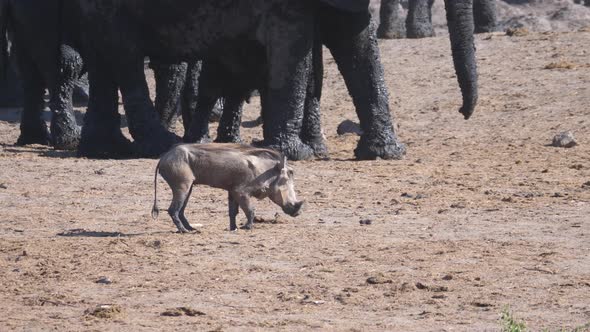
351,39
45,59
123,32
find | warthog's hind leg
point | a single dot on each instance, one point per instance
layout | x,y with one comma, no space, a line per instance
179,197
183,219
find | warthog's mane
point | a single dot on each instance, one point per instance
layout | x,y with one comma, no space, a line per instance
262,153
247,150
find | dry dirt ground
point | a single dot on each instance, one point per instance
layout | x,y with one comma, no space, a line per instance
480,215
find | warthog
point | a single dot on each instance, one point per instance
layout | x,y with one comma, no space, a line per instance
242,170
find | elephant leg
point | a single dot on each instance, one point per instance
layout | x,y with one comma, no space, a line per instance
198,130
228,130
33,129
391,24
150,138
190,93
311,132
352,41
65,132
419,19
170,81
289,55
484,15
101,133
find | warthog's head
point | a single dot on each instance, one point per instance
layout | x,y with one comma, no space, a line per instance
282,189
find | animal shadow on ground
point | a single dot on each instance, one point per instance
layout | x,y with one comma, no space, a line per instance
80,232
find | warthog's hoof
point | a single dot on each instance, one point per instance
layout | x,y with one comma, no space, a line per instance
247,227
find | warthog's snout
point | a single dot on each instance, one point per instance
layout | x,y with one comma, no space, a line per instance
293,209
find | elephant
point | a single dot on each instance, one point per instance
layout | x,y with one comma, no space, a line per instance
177,88
584,2
45,59
352,35
55,63
123,32
235,84
418,23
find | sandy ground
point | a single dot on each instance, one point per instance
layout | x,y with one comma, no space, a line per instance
480,215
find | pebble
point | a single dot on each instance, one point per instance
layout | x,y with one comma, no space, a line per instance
565,139
349,127
104,280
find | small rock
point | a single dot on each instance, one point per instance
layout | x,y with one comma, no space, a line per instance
586,185
104,280
3,186
366,222
378,280
406,195
105,311
420,285
517,32
175,312
349,127
99,172
565,139
447,277
508,200
457,206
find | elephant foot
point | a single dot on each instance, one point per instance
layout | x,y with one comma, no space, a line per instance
156,143
65,132
373,149
34,133
421,32
293,149
319,148
104,146
384,32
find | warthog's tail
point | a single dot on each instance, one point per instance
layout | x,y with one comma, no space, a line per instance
155,210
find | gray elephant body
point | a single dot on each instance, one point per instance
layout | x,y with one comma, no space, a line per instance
122,32
351,38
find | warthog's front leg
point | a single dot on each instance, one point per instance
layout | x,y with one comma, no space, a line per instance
244,201
233,211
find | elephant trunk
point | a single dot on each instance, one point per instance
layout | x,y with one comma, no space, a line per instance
461,27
